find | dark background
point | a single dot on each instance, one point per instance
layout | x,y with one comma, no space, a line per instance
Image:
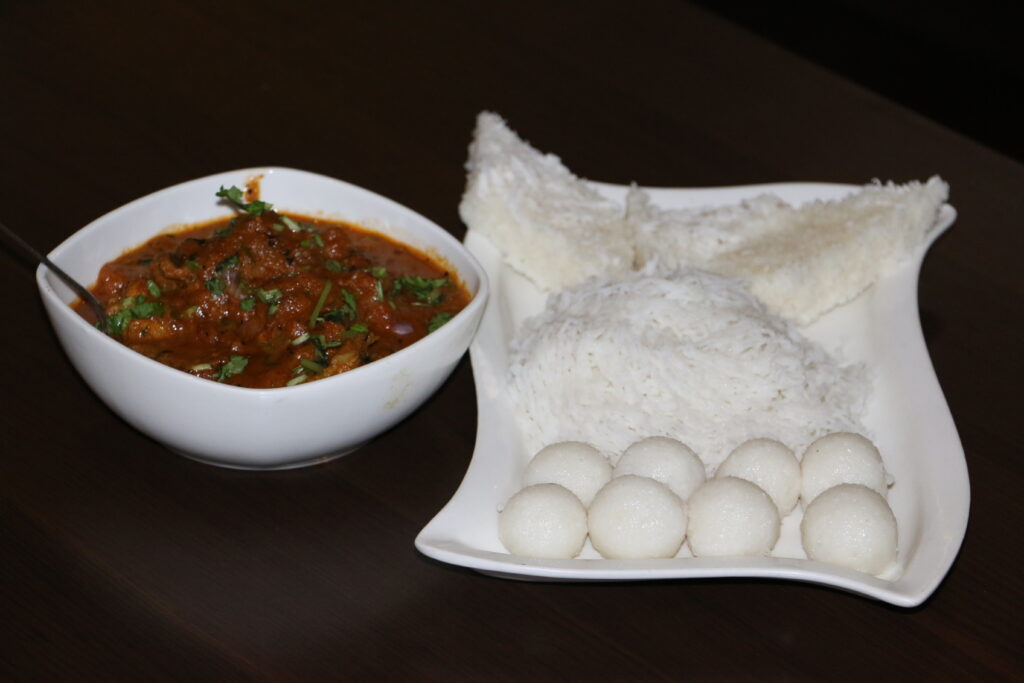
959,63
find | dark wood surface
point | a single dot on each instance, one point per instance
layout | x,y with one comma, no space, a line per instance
122,561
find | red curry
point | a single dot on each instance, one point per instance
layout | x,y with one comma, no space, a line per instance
270,300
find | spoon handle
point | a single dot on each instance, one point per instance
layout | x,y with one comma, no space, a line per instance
82,292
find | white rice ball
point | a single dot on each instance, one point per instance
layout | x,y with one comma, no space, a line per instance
769,464
543,520
852,526
636,518
577,466
841,458
731,517
666,460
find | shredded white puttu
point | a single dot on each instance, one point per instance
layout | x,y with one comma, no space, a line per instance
801,261
691,356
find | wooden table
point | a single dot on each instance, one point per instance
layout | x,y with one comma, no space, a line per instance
122,561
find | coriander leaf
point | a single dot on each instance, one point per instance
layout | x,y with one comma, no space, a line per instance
215,285
290,223
229,262
426,291
154,289
132,308
437,321
310,366
237,196
117,322
319,304
357,328
232,194
269,296
258,207
345,312
147,309
320,349
231,368
247,304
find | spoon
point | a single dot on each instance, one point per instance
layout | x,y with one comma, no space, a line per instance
82,292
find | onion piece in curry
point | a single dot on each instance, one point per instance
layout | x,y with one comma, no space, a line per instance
268,299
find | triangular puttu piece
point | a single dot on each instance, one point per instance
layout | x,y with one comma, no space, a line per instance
800,261
549,225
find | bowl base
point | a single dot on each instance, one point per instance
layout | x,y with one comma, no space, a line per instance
320,459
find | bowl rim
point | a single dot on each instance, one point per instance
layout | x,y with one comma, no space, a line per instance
477,302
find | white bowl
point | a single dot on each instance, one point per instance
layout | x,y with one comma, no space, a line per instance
258,428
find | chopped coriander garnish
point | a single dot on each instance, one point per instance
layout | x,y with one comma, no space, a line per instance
317,239
345,312
378,271
116,322
311,366
236,197
232,194
332,265
437,321
247,304
306,244
147,309
319,304
357,328
132,308
320,346
380,290
425,290
229,262
231,368
154,289
190,311
215,285
193,265
269,296
290,223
